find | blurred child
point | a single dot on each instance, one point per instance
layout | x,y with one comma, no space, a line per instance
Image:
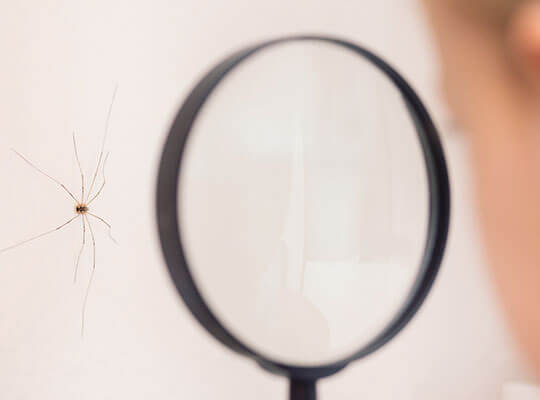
490,55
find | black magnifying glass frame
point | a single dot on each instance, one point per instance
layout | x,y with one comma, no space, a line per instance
302,378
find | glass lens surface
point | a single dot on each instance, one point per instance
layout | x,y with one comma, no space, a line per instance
303,202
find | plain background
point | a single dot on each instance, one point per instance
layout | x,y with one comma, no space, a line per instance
60,63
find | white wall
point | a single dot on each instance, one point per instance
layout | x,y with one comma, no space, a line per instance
60,62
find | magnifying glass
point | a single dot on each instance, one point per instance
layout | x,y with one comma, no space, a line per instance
303,205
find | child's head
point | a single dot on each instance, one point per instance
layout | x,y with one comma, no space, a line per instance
490,59
490,52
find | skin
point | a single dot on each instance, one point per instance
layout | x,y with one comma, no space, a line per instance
490,60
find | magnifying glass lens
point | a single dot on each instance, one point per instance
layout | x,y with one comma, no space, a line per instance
303,202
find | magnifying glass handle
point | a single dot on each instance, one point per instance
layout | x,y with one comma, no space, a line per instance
302,390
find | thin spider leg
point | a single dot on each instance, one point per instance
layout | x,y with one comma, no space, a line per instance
91,275
81,250
106,223
80,168
95,174
38,236
103,184
100,158
47,175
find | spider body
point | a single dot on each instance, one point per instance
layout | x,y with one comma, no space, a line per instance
81,208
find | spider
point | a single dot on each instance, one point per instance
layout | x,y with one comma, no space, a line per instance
81,207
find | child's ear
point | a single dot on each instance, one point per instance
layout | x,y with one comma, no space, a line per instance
524,40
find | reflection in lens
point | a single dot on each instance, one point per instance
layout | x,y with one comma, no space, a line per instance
304,202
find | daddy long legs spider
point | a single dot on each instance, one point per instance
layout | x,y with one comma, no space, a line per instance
81,207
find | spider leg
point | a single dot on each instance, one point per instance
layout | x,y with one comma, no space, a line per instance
47,175
102,185
100,158
81,250
107,224
91,275
80,168
38,236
